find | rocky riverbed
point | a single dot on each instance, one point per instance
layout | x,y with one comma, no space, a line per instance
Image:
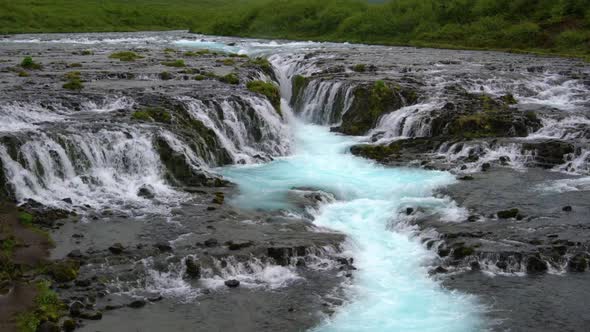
112,144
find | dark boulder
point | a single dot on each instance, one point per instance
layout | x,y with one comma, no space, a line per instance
508,214
535,264
76,308
578,263
163,246
48,326
233,283
136,304
567,209
91,315
549,153
283,255
193,269
117,248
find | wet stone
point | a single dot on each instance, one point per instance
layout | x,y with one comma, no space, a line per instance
233,283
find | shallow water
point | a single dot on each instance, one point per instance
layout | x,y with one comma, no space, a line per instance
390,289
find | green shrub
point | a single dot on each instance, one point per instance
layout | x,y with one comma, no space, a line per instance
47,307
74,84
231,78
270,90
176,63
262,64
200,77
28,63
227,62
151,114
166,76
126,56
574,39
359,68
25,218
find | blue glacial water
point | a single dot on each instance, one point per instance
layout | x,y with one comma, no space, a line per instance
391,290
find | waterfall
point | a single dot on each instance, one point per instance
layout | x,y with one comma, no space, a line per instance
407,122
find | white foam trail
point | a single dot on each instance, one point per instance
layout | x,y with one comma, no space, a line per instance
109,104
510,154
15,117
569,128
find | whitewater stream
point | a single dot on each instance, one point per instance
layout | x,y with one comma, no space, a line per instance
139,182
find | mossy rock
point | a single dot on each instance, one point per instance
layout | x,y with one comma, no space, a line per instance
125,56
359,68
461,252
64,271
29,63
508,214
376,152
373,101
176,63
299,83
262,64
156,114
231,78
268,89
227,62
166,76
75,85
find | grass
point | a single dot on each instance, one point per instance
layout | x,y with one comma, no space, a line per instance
48,307
268,89
176,63
231,78
540,26
29,63
151,114
126,56
74,81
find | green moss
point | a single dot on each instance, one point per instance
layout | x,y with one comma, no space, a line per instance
508,214
126,56
462,252
262,64
299,83
359,68
74,84
169,50
235,55
197,53
48,307
509,99
64,271
23,73
29,63
25,218
176,63
227,62
156,114
231,78
377,152
73,75
200,77
166,76
75,65
270,90
87,52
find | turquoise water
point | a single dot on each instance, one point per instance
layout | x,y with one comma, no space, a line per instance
391,290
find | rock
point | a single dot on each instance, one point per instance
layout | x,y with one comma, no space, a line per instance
91,315
163,246
485,167
535,264
460,252
475,266
578,263
145,193
211,243
282,255
83,283
47,326
567,209
409,211
238,245
193,269
508,214
67,200
439,269
76,308
502,265
233,283
219,198
549,153
473,218
466,178
69,325
117,248
76,254
136,304
64,271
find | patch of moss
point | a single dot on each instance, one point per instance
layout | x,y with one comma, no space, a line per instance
48,307
270,90
74,84
262,64
165,76
29,63
227,61
508,214
376,152
169,50
23,73
200,77
64,271
359,68
197,53
73,75
156,114
126,56
87,52
25,218
75,65
509,99
176,63
231,78
236,55
299,83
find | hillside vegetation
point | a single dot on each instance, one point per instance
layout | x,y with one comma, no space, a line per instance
547,26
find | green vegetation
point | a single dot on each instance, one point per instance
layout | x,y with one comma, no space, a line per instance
48,307
74,81
29,63
197,53
165,75
231,78
23,73
75,65
262,64
360,68
87,52
200,77
227,62
176,63
545,26
151,114
268,89
25,218
125,56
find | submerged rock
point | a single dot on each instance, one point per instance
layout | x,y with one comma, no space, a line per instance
233,283
193,269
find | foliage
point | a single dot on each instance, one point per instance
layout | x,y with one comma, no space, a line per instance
156,114
231,78
176,63
125,56
25,218
29,63
548,26
48,307
268,89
